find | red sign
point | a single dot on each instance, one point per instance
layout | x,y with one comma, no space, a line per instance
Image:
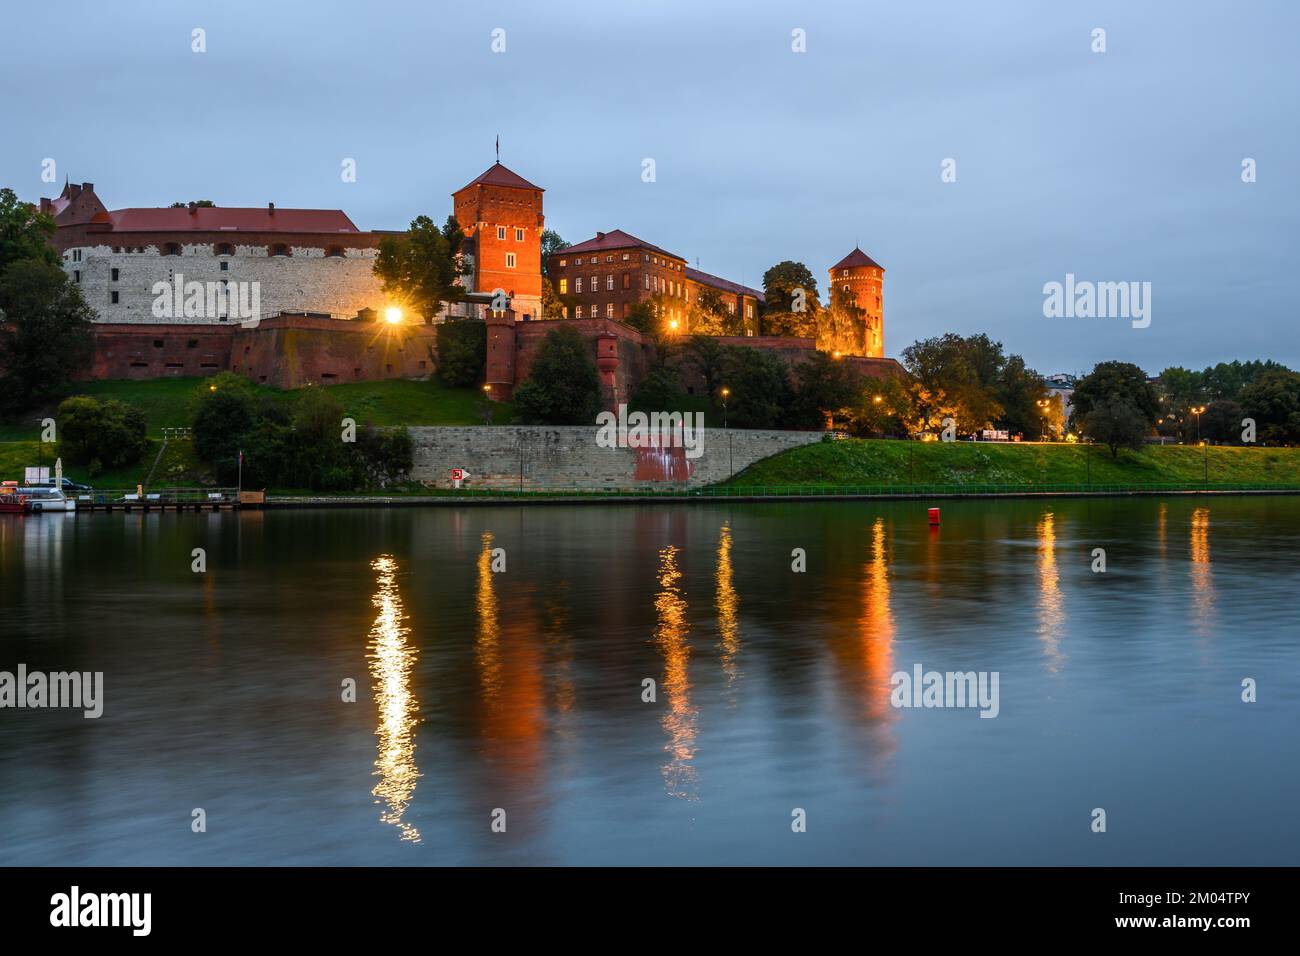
457,474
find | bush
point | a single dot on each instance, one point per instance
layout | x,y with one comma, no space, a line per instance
108,434
564,386
387,455
659,391
462,352
759,386
221,422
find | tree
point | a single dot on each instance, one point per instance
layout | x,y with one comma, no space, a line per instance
760,388
563,387
462,352
1221,421
790,286
46,336
883,407
659,391
964,371
387,454
198,203
1273,400
707,356
552,242
1227,379
223,414
1119,380
822,386
100,434
842,327
1025,400
25,232
709,315
420,267
1117,423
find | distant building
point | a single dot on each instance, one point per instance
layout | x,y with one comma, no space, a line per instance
606,275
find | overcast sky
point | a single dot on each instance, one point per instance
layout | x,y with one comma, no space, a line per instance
1116,166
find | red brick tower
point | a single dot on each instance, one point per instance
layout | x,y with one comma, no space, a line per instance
862,278
501,213
501,347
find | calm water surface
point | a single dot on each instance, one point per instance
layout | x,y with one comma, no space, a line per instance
521,689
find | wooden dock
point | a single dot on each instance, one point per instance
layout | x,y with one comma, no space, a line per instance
170,499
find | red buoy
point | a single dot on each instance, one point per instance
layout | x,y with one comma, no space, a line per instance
934,516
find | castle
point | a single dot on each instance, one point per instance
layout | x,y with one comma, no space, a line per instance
171,289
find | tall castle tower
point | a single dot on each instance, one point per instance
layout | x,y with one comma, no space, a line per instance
862,278
501,215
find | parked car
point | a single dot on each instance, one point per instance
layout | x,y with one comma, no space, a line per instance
69,486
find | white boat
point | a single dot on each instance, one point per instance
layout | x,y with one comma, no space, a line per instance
42,498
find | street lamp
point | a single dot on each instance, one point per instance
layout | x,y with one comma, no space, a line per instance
731,463
1196,410
1042,404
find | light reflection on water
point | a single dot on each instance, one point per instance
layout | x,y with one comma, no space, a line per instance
521,689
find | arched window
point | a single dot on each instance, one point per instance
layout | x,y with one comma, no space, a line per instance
171,249
280,249
224,249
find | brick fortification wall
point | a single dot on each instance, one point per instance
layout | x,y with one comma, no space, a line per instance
567,457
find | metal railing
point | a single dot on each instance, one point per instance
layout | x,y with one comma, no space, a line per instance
157,496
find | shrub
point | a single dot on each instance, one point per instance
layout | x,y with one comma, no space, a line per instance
462,352
564,386
109,433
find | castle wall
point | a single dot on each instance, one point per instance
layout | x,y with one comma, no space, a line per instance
306,280
568,457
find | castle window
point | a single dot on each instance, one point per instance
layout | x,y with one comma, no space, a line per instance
578,311
279,250
627,307
564,286
171,249
115,273
334,252
609,282
564,262
609,310
157,343
731,307
225,266
577,284
627,280
519,235
510,260
224,249
112,298
501,232
609,258
564,311
593,260
625,257
76,275
749,311
647,280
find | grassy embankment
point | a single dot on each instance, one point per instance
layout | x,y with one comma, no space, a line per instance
859,463
166,403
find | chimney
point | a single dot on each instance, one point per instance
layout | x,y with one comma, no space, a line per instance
270,209
600,235
88,187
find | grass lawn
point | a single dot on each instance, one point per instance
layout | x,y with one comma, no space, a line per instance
879,462
166,403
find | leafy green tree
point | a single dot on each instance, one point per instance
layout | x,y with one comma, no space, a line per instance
822,386
790,286
420,267
964,371
882,408
25,232
462,352
1025,400
1117,423
387,454
222,416
1273,400
843,326
1221,421
101,435
1227,379
707,356
1118,380
552,242
659,391
46,336
709,315
760,388
199,203
563,387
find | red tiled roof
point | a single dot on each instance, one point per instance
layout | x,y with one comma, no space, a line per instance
724,285
855,259
498,175
224,219
616,239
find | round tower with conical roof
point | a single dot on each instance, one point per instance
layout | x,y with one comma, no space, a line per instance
862,279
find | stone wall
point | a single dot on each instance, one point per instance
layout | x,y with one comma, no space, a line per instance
567,457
